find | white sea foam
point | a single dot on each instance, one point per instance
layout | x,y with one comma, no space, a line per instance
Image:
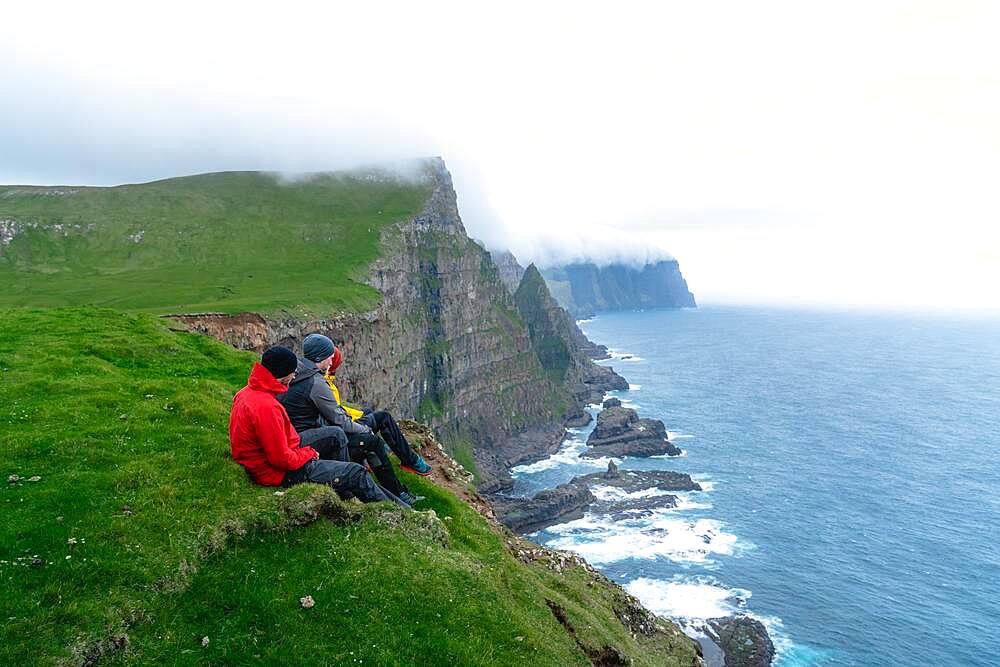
634,387
614,493
683,453
692,599
690,500
567,454
601,463
783,644
705,482
621,355
659,534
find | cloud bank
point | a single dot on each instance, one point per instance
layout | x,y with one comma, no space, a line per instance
783,152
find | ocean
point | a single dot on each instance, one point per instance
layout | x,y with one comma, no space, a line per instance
851,473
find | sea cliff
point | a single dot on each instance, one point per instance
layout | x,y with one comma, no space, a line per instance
430,328
449,343
587,288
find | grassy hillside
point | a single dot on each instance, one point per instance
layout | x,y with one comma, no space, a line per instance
128,535
229,242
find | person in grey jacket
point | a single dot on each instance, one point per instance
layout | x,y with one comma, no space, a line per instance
310,405
319,349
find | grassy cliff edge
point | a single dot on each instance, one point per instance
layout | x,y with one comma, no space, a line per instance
129,536
228,242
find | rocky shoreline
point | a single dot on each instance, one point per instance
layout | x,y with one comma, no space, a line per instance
743,640
571,500
735,641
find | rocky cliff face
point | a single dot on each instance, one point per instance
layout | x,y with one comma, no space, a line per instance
446,345
585,289
562,349
495,372
509,268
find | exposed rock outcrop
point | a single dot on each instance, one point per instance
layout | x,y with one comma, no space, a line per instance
447,344
587,346
640,480
509,269
525,446
585,288
546,508
744,641
620,432
569,501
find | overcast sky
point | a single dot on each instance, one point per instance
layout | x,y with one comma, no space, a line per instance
841,153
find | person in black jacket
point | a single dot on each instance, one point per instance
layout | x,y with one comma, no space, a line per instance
310,405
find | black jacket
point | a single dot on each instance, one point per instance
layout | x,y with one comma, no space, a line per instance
310,403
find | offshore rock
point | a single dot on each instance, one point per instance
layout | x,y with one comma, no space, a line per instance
611,403
620,432
509,268
640,480
563,503
571,500
744,641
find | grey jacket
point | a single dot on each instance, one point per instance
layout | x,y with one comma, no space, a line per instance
309,402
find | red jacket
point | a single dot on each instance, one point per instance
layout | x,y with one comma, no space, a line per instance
260,434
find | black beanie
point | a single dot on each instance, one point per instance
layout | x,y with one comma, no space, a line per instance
279,360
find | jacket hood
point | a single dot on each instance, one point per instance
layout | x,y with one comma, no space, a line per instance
262,380
305,370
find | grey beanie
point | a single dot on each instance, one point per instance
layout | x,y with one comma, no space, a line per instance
317,347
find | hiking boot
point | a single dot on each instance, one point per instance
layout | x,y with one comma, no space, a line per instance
410,498
419,467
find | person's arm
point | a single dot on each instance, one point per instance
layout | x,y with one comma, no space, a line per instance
271,432
322,397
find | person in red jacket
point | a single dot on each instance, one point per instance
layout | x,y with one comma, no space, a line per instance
263,440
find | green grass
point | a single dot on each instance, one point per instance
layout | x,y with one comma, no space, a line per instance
124,421
227,242
461,449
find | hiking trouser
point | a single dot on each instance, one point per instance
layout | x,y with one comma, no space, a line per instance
329,441
383,423
342,477
369,447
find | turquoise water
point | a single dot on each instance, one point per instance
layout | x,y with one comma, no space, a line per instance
852,475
